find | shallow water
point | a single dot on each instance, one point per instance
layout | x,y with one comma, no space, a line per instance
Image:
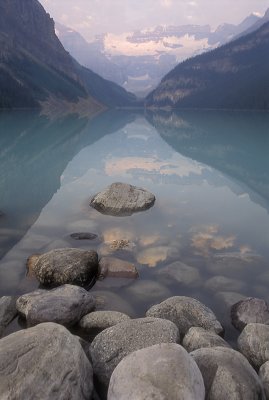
208,171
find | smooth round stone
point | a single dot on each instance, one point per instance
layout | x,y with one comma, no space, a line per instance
227,375
65,305
122,199
83,236
161,372
62,266
180,273
249,310
45,362
113,344
222,283
197,338
116,268
186,312
253,342
264,376
100,320
8,311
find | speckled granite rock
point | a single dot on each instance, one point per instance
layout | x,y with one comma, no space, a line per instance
197,338
253,342
249,310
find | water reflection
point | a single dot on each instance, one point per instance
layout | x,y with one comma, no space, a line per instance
235,143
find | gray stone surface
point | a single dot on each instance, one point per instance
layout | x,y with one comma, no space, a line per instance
264,376
116,268
113,344
227,375
8,311
64,305
249,310
45,362
61,266
100,320
221,283
181,273
253,342
122,199
161,372
186,312
197,338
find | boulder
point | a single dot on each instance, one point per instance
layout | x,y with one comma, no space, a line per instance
100,320
160,372
180,273
197,338
62,266
264,376
122,199
8,311
113,344
253,342
83,236
116,268
64,305
222,283
186,312
249,310
45,362
227,375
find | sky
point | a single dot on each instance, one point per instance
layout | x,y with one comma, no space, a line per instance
91,17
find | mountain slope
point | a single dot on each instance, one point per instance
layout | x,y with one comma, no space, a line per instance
232,76
34,66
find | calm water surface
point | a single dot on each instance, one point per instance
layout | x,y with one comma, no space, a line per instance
208,170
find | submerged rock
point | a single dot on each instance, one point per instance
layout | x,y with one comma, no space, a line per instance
116,268
8,311
197,338
65,305
186,312
113,344
221,283
253,342
83,236
62,266
144,291
45,362
235,264
180,273
100,320
160,372
122,199
249,310
227,375
107,300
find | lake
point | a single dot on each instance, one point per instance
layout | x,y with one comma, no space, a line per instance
207,235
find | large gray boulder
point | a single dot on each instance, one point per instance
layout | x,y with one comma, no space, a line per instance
197,338
249,310
227,375
8,311
45,362
113,344
186,312
264,376
100,320
65,305
253,342
122,199
161,372
61,266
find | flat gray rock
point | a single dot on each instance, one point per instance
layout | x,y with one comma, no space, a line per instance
113,344
264,376
65,305
62,266
186,312
249,310
116,268
122,199
100,320
8,311
197,338
253,342
45,362
227,375
181,273
161,372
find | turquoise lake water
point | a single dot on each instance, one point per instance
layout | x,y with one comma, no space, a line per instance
208,170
